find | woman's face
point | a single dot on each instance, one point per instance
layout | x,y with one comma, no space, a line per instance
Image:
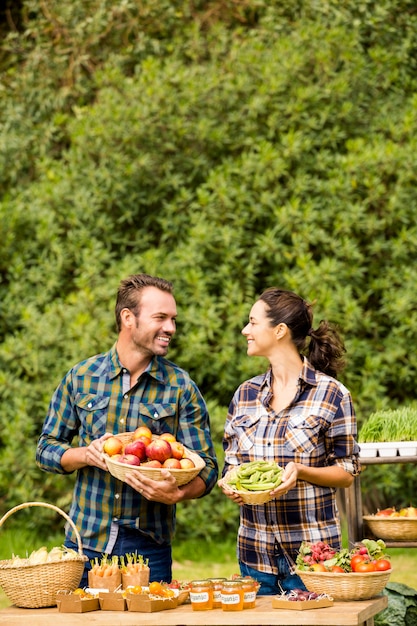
259,333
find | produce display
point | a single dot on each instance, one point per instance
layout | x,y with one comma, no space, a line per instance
255,476
368,556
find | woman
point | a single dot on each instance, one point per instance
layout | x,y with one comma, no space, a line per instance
298,415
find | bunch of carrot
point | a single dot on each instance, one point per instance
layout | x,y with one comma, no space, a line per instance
106,566
133,563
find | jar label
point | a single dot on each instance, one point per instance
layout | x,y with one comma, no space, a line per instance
199,596
249,596
217,595
231,598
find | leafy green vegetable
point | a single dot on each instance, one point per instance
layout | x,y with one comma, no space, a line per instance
402,606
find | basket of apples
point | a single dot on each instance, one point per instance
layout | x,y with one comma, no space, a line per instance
141,451
357,574
394,525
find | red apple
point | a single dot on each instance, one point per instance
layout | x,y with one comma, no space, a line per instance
386,512
167,436
172,464
136,447
186,463
153,463
177,449
130,459
159,450
113,445
144,433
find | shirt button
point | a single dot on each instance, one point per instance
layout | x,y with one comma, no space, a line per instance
89,405
122,421
126,396
115,519
155,414
117,496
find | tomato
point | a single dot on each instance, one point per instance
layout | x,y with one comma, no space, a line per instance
337,568
382,565
356,558
365,566
318,567
156,588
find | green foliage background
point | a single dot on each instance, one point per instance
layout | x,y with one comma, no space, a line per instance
227,145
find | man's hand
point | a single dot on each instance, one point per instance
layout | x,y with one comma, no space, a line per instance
165,490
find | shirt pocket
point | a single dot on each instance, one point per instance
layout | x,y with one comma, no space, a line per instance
163,417
92,411
245,428
303,434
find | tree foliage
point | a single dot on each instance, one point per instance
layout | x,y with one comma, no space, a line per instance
227,145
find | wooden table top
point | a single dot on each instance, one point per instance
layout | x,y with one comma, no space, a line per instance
340,614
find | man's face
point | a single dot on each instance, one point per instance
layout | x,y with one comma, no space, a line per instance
155,323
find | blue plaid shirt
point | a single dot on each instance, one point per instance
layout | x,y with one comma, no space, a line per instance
93,398
318,429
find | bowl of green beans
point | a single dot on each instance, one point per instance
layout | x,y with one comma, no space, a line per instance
254,481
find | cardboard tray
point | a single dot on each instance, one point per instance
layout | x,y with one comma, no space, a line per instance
143,603
72,603
299,605
112,601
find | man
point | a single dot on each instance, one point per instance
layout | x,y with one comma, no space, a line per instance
130,385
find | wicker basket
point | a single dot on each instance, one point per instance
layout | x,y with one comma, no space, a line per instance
36,586
342,587
182,476
392,528
248,497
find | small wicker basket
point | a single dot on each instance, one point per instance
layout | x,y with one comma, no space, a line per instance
182,476
36,586
392,528
248,497
344,587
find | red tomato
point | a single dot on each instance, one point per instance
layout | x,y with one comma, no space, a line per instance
382,565
337,568
356,558
365,566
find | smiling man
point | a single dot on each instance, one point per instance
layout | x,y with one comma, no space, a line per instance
132,384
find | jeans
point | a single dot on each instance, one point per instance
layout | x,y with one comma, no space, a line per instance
129,541
271,584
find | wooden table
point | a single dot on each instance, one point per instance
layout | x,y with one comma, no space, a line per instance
340,614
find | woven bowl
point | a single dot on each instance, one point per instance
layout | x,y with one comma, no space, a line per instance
248,497
343,587
36,586
182,476
392,528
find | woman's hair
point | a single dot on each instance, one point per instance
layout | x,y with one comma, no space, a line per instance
325,349
130,289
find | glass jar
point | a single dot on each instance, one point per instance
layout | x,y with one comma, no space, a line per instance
250,588
232,595
217,592
201,595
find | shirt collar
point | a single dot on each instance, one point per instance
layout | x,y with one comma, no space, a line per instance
307,375
154,369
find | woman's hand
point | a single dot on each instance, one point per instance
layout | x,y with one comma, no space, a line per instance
229,493
289,480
